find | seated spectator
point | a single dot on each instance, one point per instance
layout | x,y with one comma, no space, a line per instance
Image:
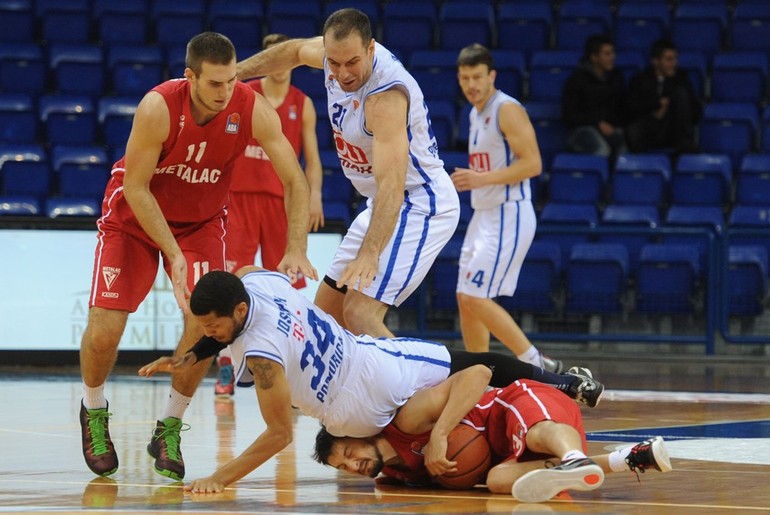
593,101
662,107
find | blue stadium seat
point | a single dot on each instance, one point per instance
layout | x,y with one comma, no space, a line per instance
123,23
239,20
18,21
57,207
511,69
764,146
336,187
116,116
548,72
24,171
454,160
627,218
436,73
578,178
463,125
134,69
296,19
310,81
557,222
699,26
751,27
753,180
638,24
22,69
630,62
667,278
524,26
539,280
323,128
64,22
409,28
702,179
696,65
597,278
463,23
370,8
174,22
746,280
68,119
83,171
577,20
20,205
77,69
739,77
641,179
442,122
18,119
730,128
550,130
750,225
708,218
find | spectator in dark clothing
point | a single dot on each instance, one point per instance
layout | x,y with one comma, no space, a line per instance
662,106
593,101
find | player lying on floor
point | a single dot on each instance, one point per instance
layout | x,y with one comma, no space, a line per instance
535,434
295,354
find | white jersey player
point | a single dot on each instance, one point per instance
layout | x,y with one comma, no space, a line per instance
387,149
503,156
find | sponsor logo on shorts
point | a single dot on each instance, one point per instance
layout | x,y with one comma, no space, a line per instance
110,273
110,294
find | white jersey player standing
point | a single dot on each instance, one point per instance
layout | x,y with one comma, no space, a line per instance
387,149
503,156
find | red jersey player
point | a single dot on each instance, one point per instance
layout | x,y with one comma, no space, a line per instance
527,424
167,198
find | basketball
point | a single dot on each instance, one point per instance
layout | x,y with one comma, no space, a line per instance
470,450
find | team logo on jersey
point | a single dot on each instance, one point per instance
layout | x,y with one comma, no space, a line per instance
479,161
110,274
233,123
355,104
487,120
351,157
293,113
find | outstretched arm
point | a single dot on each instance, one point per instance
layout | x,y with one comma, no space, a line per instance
283,57
274,399
439,409
313,169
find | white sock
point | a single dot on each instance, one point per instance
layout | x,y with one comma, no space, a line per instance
532,356
93,398
574,454
176,405
618,459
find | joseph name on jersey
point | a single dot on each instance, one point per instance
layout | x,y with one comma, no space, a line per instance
488,150
354,141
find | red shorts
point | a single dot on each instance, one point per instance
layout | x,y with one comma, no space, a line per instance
508,413
256,221
126,261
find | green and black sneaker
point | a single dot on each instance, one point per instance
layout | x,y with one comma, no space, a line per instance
98,450
165,448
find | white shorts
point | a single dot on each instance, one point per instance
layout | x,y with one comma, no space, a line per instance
388,376
427,221
496,242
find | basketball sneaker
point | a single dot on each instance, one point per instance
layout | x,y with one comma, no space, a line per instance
98,450
165,447
552,365
647,455
542,484
225,378
585,389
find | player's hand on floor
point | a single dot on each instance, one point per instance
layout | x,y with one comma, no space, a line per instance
207,485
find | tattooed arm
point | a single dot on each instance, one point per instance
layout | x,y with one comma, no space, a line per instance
275,404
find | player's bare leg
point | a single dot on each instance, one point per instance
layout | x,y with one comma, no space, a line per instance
475,332
98,352
331,300
365,315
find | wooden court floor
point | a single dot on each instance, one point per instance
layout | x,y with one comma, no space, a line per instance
715,417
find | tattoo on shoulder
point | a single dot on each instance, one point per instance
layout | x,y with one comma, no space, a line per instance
263,371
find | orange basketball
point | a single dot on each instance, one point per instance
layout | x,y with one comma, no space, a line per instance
470,450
